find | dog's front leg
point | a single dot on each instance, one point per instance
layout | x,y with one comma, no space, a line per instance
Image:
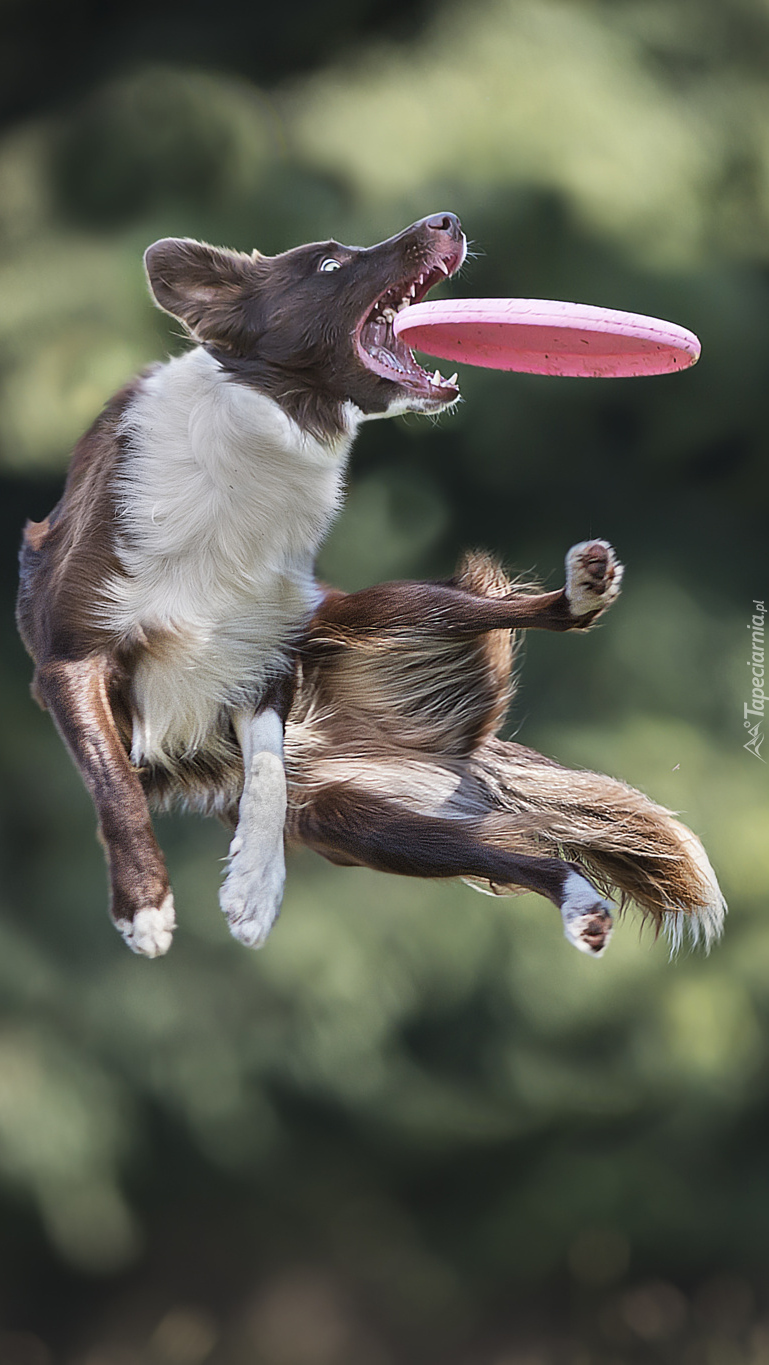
253,889
593,578
77,695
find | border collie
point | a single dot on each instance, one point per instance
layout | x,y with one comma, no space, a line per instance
185,650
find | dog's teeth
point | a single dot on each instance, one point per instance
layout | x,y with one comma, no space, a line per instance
388,313
437,377
442,266
453,379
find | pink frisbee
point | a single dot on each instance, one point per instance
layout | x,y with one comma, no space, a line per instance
542,336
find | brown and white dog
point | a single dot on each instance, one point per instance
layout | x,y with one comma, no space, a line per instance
170,606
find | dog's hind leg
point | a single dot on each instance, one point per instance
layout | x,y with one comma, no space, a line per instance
350,826
253,889
76,692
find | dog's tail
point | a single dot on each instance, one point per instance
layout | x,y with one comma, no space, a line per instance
629,845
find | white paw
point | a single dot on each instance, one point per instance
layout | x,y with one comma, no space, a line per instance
587,919
593,577
253,889
150,932
252,893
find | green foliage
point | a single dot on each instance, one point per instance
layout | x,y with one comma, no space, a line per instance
417,1123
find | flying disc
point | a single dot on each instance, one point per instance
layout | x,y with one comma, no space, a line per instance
544,336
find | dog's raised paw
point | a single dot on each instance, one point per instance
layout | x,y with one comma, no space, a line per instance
593,577
150,932
587,918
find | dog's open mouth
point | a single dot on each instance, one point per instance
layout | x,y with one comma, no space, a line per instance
386,354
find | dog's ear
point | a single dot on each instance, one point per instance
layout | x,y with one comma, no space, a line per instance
200,285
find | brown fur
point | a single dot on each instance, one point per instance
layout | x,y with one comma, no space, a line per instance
72,551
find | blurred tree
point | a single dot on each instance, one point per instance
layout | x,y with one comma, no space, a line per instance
417,1127
51,52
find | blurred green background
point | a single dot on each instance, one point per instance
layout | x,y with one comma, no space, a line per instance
418,1128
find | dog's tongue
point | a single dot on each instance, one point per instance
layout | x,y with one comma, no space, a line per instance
543,336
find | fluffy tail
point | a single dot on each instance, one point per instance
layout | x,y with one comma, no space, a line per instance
630,846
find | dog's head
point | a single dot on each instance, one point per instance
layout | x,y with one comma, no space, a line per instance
313,327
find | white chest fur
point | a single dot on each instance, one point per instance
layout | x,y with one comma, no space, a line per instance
222,504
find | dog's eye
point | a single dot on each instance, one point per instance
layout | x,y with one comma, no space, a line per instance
330,264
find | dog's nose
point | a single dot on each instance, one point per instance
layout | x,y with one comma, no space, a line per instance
445,222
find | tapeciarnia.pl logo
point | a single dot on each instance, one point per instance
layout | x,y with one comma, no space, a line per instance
753,711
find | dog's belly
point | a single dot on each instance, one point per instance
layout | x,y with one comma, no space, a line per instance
189,679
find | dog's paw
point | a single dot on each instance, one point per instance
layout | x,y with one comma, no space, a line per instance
150,932
252,892
587,918
593,577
